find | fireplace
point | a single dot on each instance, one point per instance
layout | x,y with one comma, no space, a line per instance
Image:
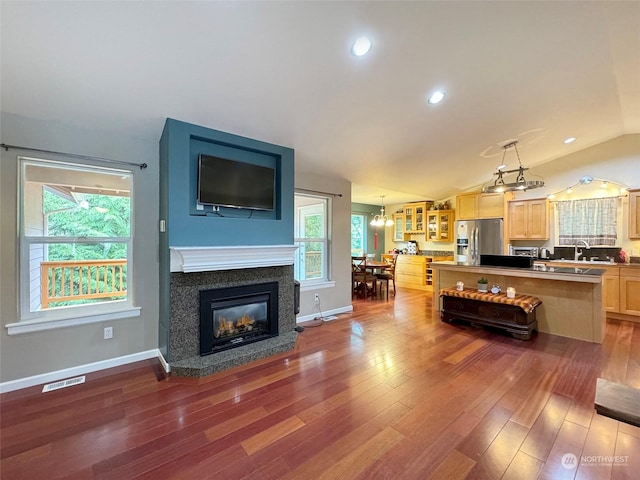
195,270
234,316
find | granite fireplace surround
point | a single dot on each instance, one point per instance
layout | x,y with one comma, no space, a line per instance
184,334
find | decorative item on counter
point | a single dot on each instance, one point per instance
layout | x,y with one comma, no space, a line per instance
622,257
459,286
511,292
482,284
495,289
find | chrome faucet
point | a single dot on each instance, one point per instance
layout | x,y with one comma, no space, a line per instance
577,252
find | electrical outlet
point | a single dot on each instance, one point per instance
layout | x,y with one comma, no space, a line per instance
108,333
317,298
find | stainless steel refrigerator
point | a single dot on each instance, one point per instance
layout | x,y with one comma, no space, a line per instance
478,237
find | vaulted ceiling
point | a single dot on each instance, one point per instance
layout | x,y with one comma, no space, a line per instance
282,72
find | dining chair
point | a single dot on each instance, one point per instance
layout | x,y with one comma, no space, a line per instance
361,277
387,274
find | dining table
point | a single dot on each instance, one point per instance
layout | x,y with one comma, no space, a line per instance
376,265
372,266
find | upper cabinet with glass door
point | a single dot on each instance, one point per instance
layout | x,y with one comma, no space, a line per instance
415,217
440,225
398,227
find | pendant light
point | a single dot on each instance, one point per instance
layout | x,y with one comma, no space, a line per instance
381,220
518,181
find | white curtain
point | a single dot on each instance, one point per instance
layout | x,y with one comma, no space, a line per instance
592,220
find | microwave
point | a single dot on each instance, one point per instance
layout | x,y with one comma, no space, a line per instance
523,251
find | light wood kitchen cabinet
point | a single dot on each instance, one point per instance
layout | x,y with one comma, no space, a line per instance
414,271
528,219
620,288
440,225
398,227
415,216
471,206
630,291
411,271
634,214
611,289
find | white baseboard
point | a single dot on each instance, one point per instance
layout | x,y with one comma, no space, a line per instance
81,370
325,313
165,365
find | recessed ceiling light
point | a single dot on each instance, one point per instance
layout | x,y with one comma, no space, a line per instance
569,140
435,98
361,46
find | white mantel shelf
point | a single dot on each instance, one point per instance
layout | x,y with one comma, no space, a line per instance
208,259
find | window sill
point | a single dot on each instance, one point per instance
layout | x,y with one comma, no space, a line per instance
315,285
29,326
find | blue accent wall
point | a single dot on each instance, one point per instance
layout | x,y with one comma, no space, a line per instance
186,226
181,143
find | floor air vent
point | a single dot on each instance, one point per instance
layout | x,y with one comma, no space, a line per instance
62,384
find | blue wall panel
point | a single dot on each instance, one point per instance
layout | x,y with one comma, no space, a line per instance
186,226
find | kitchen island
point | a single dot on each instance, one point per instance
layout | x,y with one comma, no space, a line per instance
571,297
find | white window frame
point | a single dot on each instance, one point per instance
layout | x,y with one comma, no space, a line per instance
326,241
31,321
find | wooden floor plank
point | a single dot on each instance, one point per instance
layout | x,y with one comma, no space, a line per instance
271,435
384,392
523,467
455,467
362,456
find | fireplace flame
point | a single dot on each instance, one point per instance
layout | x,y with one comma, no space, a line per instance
228,327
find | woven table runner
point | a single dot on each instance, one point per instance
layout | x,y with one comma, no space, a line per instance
527,303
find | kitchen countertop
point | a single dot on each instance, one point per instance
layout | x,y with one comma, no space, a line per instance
572,274
581,262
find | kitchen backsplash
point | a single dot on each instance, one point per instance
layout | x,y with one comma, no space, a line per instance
596,253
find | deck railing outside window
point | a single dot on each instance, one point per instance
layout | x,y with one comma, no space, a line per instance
313,265
69,280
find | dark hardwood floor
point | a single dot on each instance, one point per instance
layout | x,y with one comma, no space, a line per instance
383,393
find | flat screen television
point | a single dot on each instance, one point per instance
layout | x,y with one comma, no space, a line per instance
229,183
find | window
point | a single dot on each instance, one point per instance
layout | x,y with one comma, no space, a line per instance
312,238
358,235
592,220
75,240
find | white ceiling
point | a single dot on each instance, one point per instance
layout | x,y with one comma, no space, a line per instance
281,72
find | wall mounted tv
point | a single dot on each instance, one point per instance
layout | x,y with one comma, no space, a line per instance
229,183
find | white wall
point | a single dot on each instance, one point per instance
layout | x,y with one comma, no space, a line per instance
334,299
38,353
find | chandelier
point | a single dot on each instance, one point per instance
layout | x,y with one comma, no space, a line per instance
517,182
381,220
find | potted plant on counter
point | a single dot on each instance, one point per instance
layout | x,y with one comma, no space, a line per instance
482,284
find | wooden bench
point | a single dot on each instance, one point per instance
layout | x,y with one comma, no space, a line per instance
516,316
617,401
